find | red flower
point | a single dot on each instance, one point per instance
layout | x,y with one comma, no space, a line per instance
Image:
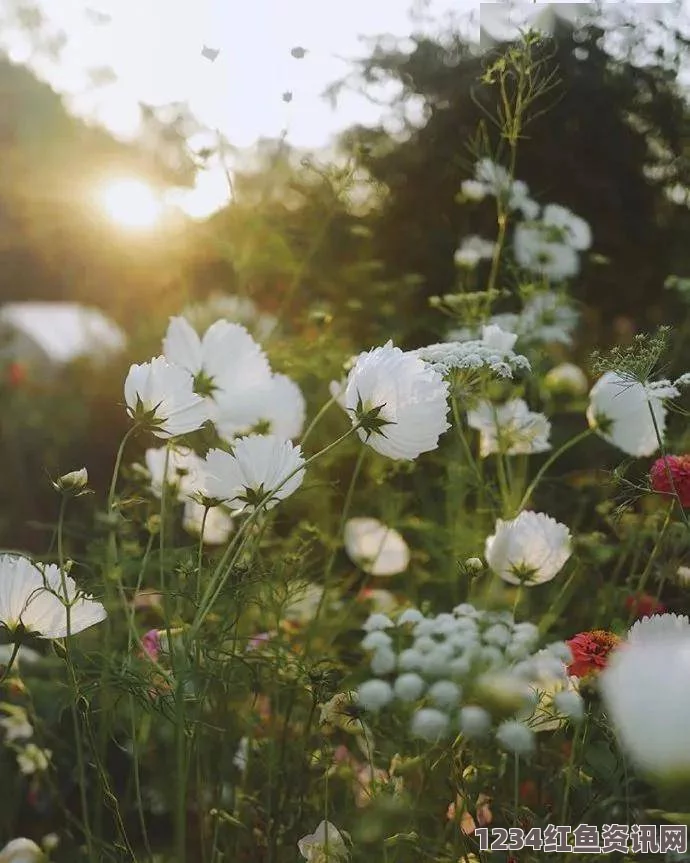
590,651
644,605
672,472
16,374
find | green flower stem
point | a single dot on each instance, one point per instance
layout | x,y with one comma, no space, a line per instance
320,414
74,686
334,551
655,552
549,461
10,663
224,568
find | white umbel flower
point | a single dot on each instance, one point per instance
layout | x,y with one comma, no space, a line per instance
412,399
646,695
33,599
515,737
659,627
258,465
229,369
164,396
377,549
530,549
510,428
324,845
217,526
619,409
183,474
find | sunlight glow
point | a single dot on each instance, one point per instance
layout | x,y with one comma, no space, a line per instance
131,203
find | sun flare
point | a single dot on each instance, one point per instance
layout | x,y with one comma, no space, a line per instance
131,203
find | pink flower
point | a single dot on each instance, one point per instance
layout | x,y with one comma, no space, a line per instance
672,472
644,605
259,639
590,651
151,644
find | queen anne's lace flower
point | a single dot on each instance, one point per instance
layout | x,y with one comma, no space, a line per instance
162,395
37,600
407,402
262,469
510,428
645,693
462,665
621,410
494,351
377,549
530,549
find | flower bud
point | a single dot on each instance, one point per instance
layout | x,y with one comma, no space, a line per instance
73,484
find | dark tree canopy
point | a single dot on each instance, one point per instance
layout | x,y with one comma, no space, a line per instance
605,121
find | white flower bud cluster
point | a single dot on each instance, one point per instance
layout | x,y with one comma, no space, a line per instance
470,671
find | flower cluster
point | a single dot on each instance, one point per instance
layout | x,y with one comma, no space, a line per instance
223,377
546,318
494,352
469,671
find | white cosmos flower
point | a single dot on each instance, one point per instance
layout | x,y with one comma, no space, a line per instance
324,845
21,850
229,369
537,251
259,464
217,527
166,393
376,548
412,397
285,408
530,549
33,599
472,250
575,231
646,695
619,409
183,470
510,428
659,627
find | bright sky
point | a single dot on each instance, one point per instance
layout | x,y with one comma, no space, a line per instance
154,48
